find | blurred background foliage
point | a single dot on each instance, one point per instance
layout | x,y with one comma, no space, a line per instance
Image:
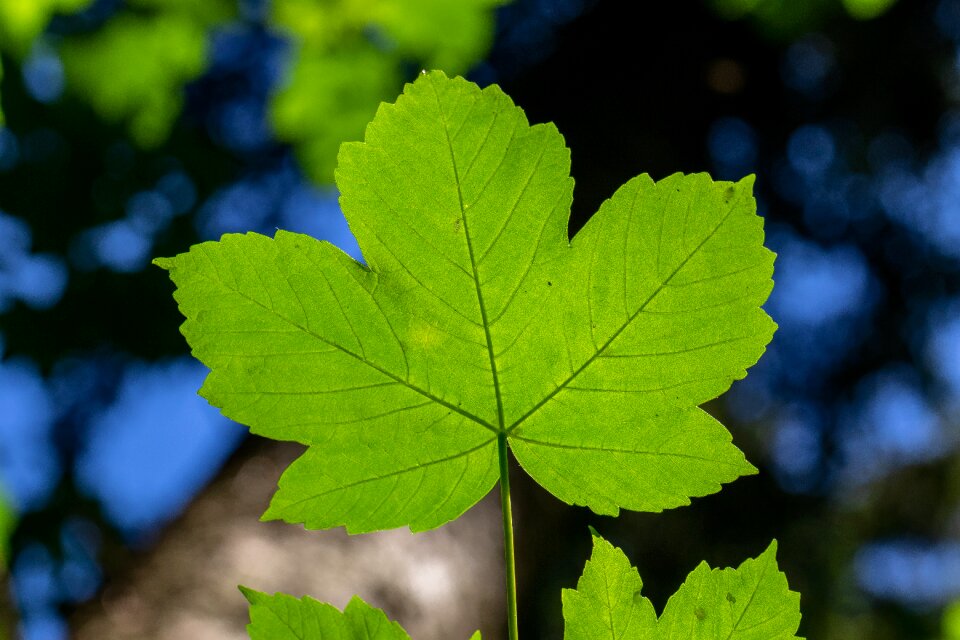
8,521
134,128
352,55
783,19
21,21
133,68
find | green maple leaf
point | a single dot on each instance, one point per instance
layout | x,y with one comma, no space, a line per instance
752,602
283,617
478,324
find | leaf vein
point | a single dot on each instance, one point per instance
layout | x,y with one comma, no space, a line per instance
453,407
513,207
605,449
473,265
357,483
654,354
617,333
753,594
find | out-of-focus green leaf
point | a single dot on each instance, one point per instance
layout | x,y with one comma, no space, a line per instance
8,520
951,622
350,56
786,19
207,12
21,21
736,9
319,27
331,98
133,70
1,95
867,9
777,19
437,33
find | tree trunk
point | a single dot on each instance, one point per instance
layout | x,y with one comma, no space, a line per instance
444,583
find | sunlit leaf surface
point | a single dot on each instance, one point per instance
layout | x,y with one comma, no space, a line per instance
283,617
751,602
475,318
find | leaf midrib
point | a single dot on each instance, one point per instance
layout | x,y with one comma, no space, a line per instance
473,265
634,452
622,328
753,594
483,311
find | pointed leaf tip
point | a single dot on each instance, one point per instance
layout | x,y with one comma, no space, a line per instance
250,594
607,603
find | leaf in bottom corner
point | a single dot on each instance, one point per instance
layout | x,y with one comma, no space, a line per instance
751,602
283,617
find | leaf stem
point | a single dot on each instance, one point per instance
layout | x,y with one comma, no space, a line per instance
508,537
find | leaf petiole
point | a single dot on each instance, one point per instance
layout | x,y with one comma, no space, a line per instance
508,537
